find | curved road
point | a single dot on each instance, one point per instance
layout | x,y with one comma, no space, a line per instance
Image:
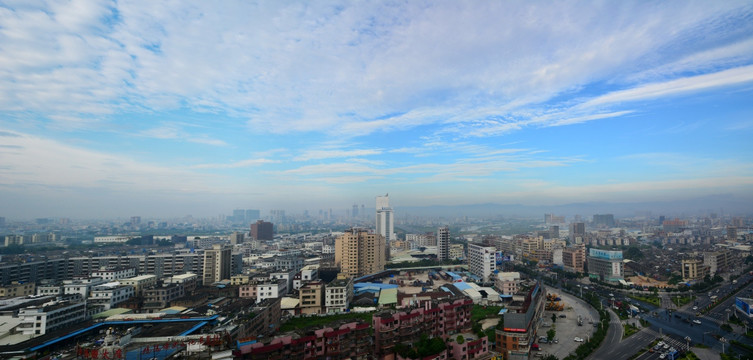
609,348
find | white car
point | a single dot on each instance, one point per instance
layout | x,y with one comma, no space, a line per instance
695,307
662,356
698,322
577,339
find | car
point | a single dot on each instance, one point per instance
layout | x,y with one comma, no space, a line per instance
697,322
666,347
577,339
563,316
662,356
556,341
695,307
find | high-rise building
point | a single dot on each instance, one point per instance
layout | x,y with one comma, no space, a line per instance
385,218
443,243
577,230
262,230
604,220
481,260
354,213
216,264
236,238
239,216
358,253
574,257
252,215
135,220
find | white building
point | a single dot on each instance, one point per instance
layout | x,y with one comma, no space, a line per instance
385,218
481,260
113,239
338,294
271,290
38,320
50,290
106,296
81,286
114,274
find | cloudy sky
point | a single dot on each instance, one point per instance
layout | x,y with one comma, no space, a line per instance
175,107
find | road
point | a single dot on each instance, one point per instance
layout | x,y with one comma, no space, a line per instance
609,348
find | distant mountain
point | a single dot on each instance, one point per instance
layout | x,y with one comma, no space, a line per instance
718,204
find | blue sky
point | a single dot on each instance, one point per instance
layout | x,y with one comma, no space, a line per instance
161,108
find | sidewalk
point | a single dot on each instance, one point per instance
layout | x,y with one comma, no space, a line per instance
706,354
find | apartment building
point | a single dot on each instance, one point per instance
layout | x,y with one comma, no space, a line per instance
271,289
574,258
110,274
140,283
347,341
107,296
359,252
311,297
189,281
16,289
160,297
338,294
693,270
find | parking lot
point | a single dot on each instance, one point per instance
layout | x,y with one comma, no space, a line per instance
567,328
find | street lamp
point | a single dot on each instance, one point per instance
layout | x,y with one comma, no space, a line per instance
722,340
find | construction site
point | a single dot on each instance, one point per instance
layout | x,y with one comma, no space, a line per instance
554,303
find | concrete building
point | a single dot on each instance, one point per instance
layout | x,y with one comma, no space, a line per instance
457,252
39,320
515,339
577,232
359,253
140,283
118,239
385,218
481,260
311,297
81,286
718,261
338,294
262,230
443,243
693,270
507,283
216,264
107,296
110,274
17,289
271,290
189,281
605,265
574,258
237,238
160,297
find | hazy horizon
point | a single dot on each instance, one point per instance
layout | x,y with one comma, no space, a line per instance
111,109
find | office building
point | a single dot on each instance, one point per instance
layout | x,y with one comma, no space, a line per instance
443,243
606,220
358,252
577,232
605,265
385,218
262,230
481,261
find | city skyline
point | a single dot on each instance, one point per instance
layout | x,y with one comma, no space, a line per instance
114,109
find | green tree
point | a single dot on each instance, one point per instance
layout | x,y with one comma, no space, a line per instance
554,319
550,357
550,334
460,339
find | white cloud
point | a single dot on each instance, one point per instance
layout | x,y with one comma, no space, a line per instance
237,164
328,154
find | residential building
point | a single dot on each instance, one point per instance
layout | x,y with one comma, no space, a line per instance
443,243
434,318
574,258
189,281
216,264
457,252
140,283
481,260
693,270
80,286
266,320
16,289
348,341
311,297
358,253
469,348
507,283
606,220
50,289
338,294
271,290
160,297
247,291
605,265
577,232
237,280
718,261
38,320
385,221
237,238
111,274
515,339
107,296
262,230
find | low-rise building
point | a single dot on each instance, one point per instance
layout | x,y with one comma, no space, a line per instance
311,297
111,274
140,283
338,294
81,286
16,289
108,295
515,339
189,281
160,297
693,270
271,290
39,320
606,265
574,258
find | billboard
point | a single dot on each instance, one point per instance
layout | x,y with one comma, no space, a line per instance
605,254
743,305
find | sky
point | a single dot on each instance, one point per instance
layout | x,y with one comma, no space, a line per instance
160,108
